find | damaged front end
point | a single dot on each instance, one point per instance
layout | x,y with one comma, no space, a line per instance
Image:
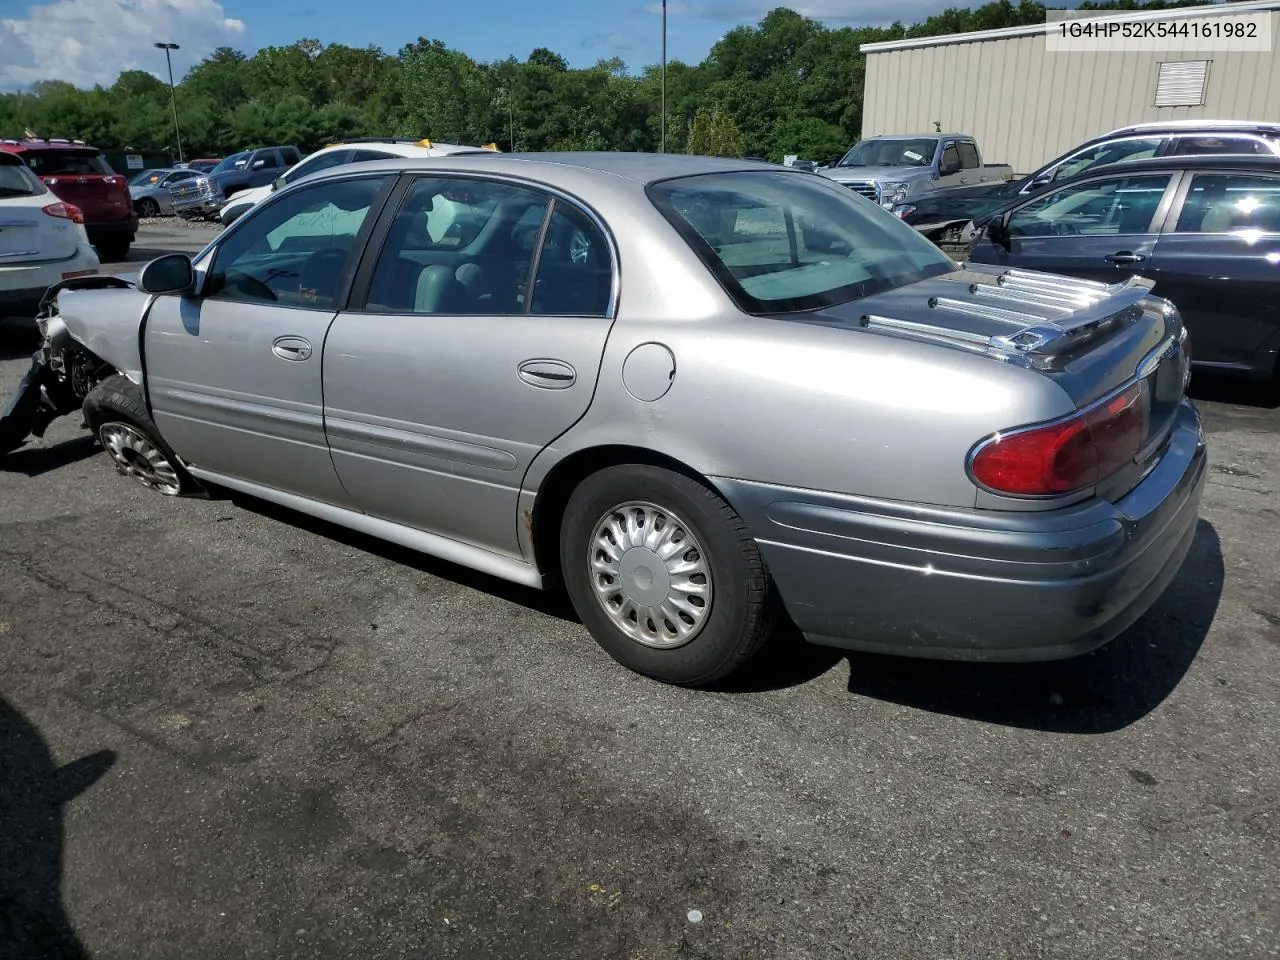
62,370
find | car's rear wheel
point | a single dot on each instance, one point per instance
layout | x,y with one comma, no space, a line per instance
148,208
665,575
118,416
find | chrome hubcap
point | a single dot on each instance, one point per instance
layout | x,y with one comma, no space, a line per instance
650,574
136,456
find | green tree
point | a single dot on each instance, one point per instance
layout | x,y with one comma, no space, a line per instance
714,134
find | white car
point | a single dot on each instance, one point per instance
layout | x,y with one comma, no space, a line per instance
42,239
335,154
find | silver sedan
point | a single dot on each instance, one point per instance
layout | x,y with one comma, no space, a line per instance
150,190
699,394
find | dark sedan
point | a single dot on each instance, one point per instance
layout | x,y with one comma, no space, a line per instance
1205,229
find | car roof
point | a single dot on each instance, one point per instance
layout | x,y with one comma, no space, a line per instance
642,168
1183,126
58,143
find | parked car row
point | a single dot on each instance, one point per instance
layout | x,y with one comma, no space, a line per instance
79,175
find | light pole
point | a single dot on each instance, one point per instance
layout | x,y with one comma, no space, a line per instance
663,141
173,94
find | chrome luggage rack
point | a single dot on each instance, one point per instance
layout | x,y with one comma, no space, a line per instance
1077,311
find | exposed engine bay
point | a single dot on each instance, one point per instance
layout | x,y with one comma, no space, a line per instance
62,370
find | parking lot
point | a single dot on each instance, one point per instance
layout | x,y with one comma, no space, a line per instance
231,730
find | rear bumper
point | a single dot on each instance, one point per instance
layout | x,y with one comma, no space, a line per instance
974,584
22,285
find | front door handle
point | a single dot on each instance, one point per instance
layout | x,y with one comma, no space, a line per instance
1124,257
291,348
548,374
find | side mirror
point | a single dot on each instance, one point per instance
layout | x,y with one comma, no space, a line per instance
998,230
947,167
279,183
171,273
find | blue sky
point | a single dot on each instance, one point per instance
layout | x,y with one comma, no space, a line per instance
91,41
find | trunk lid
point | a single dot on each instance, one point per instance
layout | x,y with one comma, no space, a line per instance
83,177
1091,339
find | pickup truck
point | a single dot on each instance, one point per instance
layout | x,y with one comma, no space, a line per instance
896,169
202,197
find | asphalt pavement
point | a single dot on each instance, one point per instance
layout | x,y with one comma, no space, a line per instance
227,730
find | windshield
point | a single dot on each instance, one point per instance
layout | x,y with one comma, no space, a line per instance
146,177
230,162
891,153
781,242
15,181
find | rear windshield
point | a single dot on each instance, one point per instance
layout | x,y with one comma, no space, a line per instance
49,163
781,242
16,180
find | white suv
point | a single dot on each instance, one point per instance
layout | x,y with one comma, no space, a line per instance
358,150
42,239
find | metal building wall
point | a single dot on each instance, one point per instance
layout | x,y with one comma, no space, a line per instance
1026,105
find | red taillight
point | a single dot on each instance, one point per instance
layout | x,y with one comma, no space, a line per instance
67,211
1069,454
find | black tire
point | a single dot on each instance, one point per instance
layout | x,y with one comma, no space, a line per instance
742,609
113,249
148,209
116,407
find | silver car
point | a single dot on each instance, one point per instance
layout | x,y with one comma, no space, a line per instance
150,190
698,393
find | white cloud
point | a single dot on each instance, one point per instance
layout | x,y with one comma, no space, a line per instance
91,41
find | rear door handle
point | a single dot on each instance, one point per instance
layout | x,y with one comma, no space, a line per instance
291,348
548,374
1123,257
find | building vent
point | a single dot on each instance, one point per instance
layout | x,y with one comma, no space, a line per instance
1181,83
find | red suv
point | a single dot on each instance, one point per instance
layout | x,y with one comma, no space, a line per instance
80,175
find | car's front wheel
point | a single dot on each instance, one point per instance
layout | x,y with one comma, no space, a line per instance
665,575
148,209
117,414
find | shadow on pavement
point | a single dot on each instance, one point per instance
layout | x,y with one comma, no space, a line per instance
33,794
1101,692
34,460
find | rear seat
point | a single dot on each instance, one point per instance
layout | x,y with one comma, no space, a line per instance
416,283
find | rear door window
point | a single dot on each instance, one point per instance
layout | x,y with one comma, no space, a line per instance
968,154
1231,203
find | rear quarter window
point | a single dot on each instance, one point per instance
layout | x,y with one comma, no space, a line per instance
17,181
